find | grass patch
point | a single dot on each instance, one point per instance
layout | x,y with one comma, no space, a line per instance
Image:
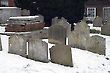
95,31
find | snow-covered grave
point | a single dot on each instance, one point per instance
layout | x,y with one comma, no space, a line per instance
83,61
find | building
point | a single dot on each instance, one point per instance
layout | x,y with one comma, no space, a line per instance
7,3
95,8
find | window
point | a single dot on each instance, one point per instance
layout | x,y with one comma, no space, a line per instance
106,12
4,3
91,13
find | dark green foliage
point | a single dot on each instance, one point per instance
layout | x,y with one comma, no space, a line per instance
73,10
94,31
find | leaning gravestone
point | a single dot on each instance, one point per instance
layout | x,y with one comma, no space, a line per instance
61,54
105,29
38,50
57,34
97,22
97,45
79,37
0,44
17,45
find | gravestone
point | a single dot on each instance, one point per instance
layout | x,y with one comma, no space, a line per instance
25,12
105,29
0,44
57,34
61,54
97,22
41,18
79,37
17,45
55,20
63,22
38,50
97,45
44,33
41,34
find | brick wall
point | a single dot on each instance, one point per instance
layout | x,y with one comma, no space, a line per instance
11,3
0,2
99,4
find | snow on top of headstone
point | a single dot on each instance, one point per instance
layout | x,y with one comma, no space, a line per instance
8,7
24,17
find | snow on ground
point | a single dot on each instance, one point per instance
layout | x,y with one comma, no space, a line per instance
96,28
84,61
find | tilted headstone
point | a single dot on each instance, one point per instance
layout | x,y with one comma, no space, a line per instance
63,22
57,34
97,45
17,45
105,29
79,37
97,22
0,44
38,50
61,54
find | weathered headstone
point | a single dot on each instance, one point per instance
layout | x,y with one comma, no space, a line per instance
25,12
97,45
79,37
0,44
55,20
105,29
97,22
17,45
57,34
84,19
38,50
63,22
41,34
61,54
41,18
